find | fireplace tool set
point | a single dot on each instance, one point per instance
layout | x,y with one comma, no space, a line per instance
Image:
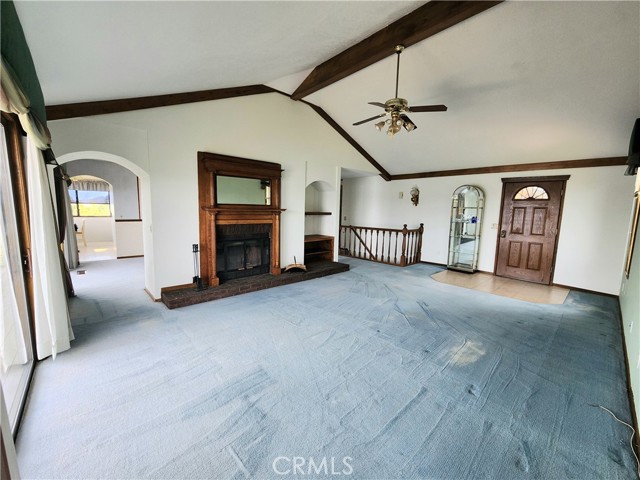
197,281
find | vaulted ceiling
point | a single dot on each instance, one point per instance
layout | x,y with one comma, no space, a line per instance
524,82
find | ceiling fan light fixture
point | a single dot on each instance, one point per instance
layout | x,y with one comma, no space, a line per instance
398,107
408,125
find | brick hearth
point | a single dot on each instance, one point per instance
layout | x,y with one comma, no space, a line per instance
188,296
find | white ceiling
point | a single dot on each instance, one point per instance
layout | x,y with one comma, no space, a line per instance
86,50
524,81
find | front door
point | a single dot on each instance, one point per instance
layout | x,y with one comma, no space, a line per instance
529,225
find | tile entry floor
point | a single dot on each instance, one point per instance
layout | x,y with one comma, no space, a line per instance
506,287
96,251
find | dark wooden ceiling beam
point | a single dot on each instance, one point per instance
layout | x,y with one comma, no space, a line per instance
327,118
427,20
86,109
522,167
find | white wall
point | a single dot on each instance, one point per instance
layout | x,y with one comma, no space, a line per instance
97,229
592,237
630,310
164,142
129,239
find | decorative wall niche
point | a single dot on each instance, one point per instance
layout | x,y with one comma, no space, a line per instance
320,204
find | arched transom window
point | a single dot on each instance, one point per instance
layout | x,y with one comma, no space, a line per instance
531,192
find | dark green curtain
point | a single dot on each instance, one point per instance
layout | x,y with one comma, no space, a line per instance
15,51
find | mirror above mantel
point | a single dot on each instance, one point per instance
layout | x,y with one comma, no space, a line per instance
242,190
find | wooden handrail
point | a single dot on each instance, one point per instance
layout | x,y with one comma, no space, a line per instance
380,244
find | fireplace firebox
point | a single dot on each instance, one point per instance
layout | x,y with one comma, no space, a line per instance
242,252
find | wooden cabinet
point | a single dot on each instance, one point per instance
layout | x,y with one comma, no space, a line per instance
318,248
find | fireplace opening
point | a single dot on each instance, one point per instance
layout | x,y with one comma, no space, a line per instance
242,252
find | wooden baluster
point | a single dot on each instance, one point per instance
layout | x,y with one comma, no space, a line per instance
414,245
352,242
347,239
377,242
395,253
371,253
389,248
364,242
403,255
382,249
420,231
352,246
366,232
360,244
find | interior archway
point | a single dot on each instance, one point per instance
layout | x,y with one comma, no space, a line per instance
93,210
145,202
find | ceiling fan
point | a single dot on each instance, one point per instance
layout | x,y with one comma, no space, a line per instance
397,108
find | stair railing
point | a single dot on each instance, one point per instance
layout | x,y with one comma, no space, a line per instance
400,247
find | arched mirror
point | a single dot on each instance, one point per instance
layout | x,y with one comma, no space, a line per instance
467,205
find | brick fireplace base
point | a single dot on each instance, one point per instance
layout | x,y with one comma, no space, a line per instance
189,296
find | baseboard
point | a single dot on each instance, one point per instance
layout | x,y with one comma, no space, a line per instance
172,288
130,256
151,296
444,265
585,290
434,263
632,405
553,284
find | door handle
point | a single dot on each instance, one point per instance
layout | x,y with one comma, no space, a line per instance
503,233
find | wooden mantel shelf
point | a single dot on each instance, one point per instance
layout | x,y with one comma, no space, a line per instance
243,209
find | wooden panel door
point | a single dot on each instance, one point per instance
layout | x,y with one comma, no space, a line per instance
530,220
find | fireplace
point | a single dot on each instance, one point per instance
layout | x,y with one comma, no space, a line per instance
240,212
242,250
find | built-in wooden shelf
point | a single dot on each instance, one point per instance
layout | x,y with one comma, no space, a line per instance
317,213
318,247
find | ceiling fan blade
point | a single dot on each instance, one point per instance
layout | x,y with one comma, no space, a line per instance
378,104
369,119
428,108
408,125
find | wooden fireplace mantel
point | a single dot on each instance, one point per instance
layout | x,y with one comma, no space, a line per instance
210,165
228,215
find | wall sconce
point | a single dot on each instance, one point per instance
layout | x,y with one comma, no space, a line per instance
415,196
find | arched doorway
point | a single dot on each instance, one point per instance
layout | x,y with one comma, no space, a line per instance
144,190
93,212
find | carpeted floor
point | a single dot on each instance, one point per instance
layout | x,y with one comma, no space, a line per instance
379,372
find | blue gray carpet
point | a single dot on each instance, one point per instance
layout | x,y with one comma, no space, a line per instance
380,372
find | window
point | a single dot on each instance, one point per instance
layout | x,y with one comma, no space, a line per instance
531,192
90,203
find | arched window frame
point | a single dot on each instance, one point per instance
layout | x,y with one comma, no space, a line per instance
533,192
